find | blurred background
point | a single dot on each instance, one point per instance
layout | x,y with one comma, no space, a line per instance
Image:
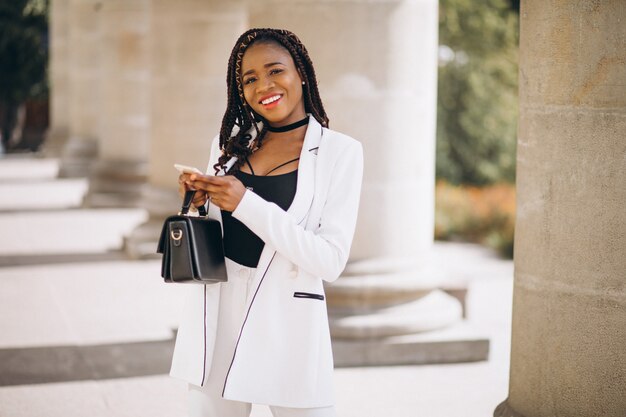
99,98
476,109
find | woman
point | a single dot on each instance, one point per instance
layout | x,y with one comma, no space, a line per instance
288,209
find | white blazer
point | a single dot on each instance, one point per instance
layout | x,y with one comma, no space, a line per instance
304,246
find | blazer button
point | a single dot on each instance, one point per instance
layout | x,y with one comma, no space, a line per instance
243,273
293,273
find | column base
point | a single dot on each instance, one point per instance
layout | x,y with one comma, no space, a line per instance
459,343
384,282
433,311
504,410
398,312
391,297
116,184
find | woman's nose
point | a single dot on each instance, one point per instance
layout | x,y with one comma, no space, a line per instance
264,84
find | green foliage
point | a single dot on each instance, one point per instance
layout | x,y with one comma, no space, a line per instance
23,57
23,37
484,214
477,100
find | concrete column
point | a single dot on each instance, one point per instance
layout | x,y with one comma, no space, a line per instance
191,42
376,64
121,168
568,355
59,80
84,87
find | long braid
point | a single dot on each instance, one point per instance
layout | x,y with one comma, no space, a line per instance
238,112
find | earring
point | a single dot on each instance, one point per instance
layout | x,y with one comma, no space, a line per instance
303,83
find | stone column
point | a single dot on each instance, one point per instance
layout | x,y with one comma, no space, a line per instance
191,42
59,81
84,87
568,355
121,168
376,64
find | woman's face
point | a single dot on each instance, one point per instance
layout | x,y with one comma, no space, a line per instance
271,83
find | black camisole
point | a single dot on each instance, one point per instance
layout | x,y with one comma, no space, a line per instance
240,243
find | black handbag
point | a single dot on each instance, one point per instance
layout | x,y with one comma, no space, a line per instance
192,247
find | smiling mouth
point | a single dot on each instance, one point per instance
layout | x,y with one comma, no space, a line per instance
271,100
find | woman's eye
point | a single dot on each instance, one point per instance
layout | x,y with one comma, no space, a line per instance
276,71
249,80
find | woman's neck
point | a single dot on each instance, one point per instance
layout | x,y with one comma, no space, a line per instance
290,126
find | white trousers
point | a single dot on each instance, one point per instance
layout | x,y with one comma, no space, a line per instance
207,401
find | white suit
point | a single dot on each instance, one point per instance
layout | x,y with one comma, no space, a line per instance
283,355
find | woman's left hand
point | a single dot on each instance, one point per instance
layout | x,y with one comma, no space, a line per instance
225,191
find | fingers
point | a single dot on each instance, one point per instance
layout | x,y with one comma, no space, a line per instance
212,179
200,198
209,186
182,188
224,191
183,178
201,183
183,183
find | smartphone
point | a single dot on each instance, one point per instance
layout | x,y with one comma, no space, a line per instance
185,169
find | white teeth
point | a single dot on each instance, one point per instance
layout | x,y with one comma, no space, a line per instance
270,100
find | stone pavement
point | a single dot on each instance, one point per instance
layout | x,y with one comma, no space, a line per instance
91,337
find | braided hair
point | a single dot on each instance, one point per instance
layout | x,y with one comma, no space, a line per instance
239,114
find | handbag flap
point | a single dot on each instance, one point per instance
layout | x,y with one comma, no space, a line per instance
181,261
192,249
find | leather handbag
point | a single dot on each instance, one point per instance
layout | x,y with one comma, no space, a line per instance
192,247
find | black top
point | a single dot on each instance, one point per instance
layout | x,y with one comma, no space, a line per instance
240,243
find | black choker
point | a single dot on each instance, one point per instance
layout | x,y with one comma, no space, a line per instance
288,127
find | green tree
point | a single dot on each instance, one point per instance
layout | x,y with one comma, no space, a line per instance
477,91
23,58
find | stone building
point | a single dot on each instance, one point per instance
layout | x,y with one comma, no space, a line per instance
138,85
568,354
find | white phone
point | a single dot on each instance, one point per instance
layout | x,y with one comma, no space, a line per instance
186,169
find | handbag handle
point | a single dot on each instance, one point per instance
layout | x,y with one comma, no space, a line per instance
187,204
190,193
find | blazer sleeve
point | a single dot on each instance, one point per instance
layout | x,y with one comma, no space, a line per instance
322,252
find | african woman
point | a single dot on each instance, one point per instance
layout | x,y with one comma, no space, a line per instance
286,190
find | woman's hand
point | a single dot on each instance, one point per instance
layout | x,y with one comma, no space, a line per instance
200,197
225,191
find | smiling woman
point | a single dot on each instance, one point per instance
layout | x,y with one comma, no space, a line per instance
274,88
263,336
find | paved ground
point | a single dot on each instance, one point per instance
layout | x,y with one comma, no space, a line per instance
51,313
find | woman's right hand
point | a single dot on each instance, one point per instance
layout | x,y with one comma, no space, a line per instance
201,196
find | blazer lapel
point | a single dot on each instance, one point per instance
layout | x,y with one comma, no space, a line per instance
305,186
302,201
306,171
